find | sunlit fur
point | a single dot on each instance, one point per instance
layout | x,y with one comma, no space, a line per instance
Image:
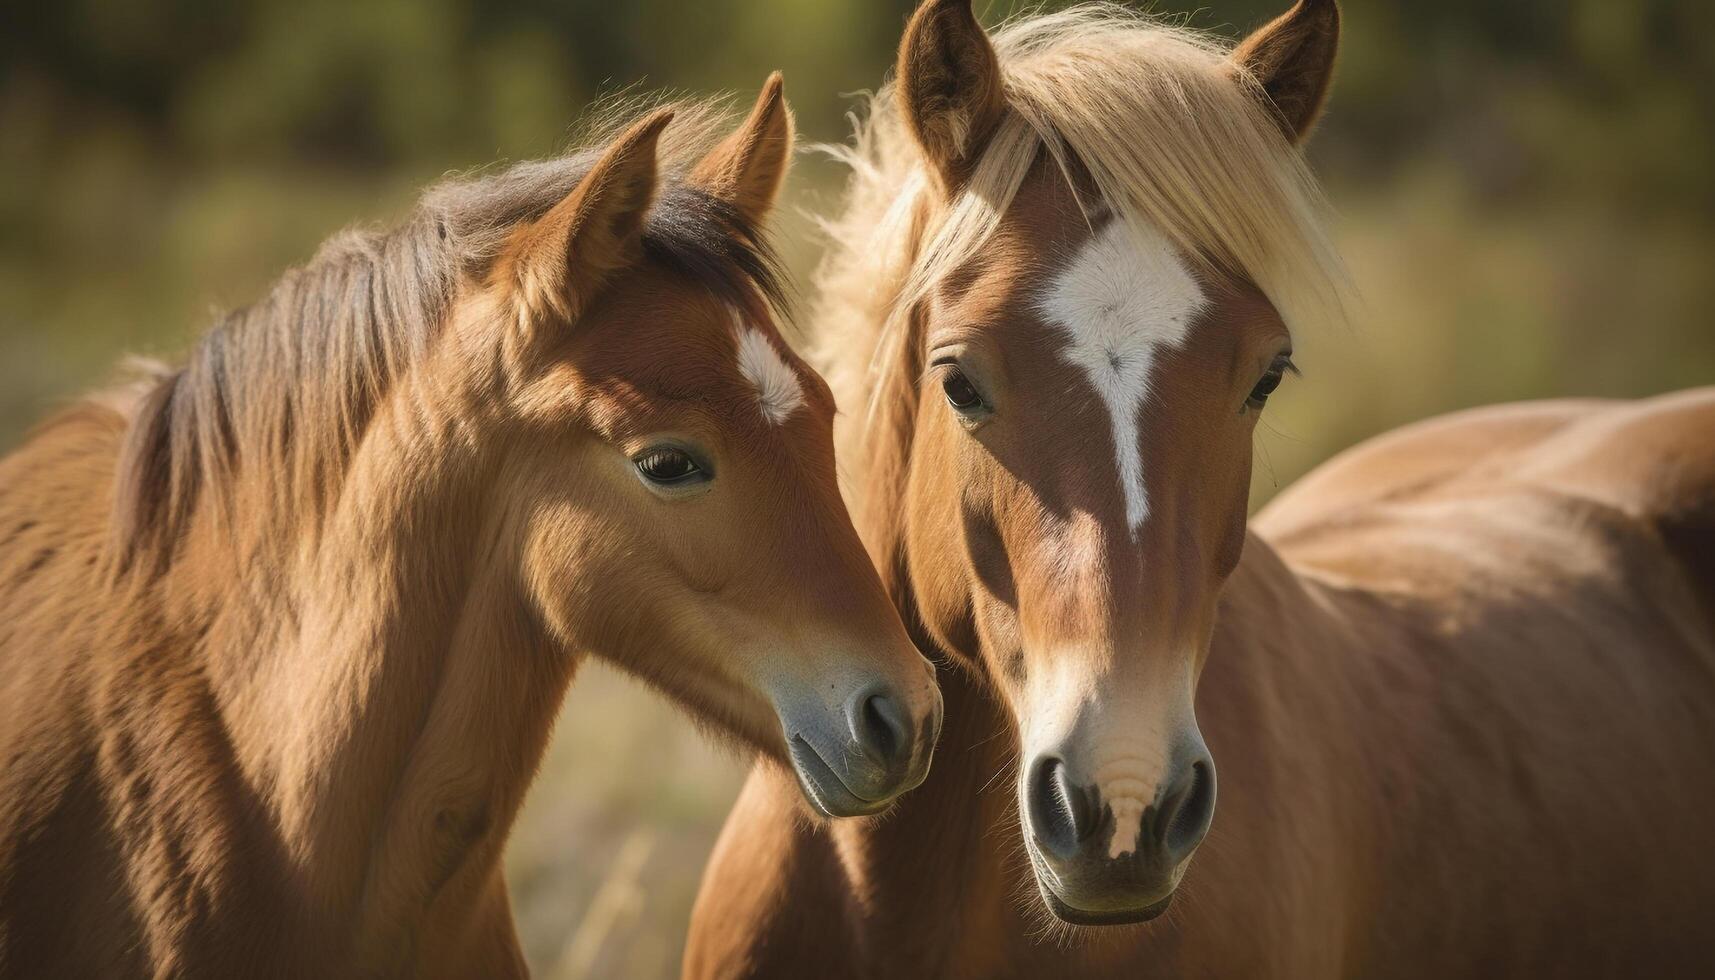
1396,665
283,630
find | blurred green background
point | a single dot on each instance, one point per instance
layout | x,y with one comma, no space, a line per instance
1524,190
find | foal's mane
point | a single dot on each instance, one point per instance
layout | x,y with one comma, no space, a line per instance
278,395
1173,135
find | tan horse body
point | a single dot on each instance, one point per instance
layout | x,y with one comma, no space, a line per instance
1459,684
1459,691
283,632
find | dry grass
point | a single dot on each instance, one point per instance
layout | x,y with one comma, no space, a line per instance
607,855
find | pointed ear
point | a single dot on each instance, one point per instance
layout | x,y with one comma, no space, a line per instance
747,168
949,88
1292,58
560,262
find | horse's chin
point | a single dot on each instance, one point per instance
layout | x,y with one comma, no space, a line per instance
823,789
1073,915
1067,912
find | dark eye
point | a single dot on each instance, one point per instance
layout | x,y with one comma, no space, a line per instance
668,466
961,394
1269,382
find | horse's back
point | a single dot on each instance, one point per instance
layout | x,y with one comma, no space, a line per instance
1651,462
55,495
1654,460
1533,532
1537,590
54,499
1414,457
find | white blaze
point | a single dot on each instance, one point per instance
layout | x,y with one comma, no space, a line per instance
1125,296
777,386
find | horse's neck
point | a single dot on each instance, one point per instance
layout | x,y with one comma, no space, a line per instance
945,865
367,701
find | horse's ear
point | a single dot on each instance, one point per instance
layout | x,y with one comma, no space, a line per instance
1292,58
949,88
747,168
562,260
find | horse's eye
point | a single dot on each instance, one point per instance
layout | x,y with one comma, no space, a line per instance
961,394
1270,381
668,466
1265,387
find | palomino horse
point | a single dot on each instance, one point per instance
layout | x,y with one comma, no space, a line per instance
283,631
1460,685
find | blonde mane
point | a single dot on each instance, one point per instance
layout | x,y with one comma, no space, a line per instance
1174,135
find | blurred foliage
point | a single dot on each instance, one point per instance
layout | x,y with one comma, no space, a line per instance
1524,190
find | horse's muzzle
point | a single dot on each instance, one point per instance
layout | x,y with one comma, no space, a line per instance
1083,875
857,761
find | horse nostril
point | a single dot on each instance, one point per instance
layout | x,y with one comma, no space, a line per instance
878,726
1062,815
1187,810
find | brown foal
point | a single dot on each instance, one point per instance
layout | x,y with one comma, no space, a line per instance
283,631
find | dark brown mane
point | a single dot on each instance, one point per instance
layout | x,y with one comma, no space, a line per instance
287,385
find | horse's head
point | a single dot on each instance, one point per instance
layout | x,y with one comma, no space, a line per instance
669,475
1089,385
